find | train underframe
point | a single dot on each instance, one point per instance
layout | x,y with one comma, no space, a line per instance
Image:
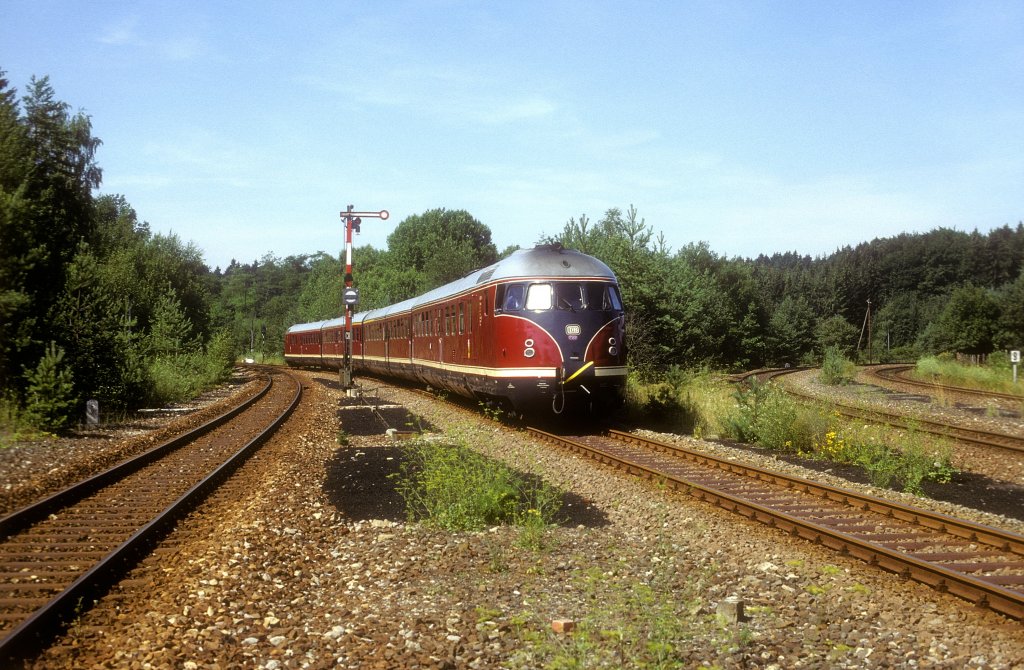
520,396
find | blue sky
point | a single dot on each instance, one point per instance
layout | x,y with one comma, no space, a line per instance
757,127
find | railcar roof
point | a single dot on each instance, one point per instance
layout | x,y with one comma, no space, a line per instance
549,260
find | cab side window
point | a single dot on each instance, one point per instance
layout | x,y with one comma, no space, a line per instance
514,297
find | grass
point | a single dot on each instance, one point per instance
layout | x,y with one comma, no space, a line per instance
448,485
15,425
260,357
765,415
995,375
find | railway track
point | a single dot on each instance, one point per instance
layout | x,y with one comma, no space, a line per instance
981,564
972,436
61,554
982,438
895,373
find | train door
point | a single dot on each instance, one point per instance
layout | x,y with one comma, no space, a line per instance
409,325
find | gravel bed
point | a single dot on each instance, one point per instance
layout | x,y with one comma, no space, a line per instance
32,470
308,562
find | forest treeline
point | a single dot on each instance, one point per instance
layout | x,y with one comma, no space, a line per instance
95,305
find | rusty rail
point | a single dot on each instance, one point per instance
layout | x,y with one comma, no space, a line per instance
97,546
981,564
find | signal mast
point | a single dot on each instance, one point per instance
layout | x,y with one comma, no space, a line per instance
350,295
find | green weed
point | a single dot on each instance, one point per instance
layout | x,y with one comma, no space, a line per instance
450,486
836,369
681,401
917,460
766,415
995,375
652,622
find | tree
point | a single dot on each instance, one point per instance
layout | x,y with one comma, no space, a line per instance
438,246
171,331
968,323
47,174
837,333
320,297
50,391
1011,320
104,348
790,331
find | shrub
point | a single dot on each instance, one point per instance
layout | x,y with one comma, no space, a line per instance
220,358
906,468
682,401
177,377
836,369
766,415
173,379
50,398
651,402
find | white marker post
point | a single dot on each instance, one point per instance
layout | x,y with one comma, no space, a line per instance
1015,359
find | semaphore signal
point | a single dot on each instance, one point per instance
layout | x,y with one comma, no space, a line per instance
350,296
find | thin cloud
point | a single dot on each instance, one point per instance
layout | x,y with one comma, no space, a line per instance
460,95
499,112
127,32
123,31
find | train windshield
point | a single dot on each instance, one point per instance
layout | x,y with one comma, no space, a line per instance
539,297
604,297
592,296
569,296
514,297
574,296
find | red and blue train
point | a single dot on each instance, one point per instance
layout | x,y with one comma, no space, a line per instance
541,331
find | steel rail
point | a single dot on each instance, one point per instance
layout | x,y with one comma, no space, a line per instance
977,590
25,640
982,438
894,374
21,518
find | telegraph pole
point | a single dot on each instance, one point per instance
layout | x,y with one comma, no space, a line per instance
866,326
350,296
869,331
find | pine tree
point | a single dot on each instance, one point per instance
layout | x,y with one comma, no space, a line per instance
50,395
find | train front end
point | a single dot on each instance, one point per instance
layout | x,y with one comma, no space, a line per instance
561,326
